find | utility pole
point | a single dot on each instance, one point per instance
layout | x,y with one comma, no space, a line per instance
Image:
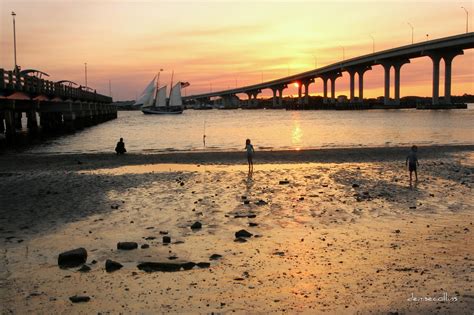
467,19
412,31
85,72
14,40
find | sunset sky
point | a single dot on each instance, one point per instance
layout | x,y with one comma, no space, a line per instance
224,43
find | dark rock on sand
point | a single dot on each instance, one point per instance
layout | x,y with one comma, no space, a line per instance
243,233
253,224
355,185
284,182
84,268
246,202
163,232
261,202
72,258
160,266
127,245
188,266
145,246
111,265
196,225
215,257
203,264
166,239
79,298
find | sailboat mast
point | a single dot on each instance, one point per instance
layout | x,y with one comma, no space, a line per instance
157,87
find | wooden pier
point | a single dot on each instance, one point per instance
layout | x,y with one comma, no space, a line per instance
50,107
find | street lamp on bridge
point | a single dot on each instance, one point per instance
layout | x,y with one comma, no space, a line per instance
467,19
14,40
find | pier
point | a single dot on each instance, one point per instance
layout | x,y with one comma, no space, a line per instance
50,107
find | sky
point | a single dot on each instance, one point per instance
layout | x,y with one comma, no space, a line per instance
217,45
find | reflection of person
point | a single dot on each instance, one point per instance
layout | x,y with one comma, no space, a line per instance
250,152
120,147
412,162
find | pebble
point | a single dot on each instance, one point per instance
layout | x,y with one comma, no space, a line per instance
79,298
243,233
196,225
111,265
72,258
127,245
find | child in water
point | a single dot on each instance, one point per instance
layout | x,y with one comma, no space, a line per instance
412,162
250,152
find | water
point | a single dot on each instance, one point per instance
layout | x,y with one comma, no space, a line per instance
269,130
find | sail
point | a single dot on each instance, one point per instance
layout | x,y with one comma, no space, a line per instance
161,97
146,98
175,95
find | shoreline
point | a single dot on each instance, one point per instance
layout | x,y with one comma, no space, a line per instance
25,161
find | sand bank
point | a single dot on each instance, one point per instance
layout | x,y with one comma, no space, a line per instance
347,234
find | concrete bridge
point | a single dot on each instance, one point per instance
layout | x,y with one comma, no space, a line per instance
444,48
60,106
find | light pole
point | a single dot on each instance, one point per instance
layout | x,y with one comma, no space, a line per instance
85,72
467,19
373,43
412,31
14,39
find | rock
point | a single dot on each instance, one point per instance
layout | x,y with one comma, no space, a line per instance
196,225
243,233
72,258
246,202
284,182
160,266
261,202
355,185
203,264
111,265
84,268
114,206
397,231
243,197
149,238
163,232
145,246
215,257
79,298
253,224
166,239
188,266
301,198
127,245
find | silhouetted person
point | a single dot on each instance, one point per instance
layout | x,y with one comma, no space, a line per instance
412,162
120,147
250,152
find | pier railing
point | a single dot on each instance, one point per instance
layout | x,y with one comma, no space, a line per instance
11,82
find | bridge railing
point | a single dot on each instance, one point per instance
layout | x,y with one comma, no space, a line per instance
12,82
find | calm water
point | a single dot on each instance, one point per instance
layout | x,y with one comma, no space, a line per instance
269,129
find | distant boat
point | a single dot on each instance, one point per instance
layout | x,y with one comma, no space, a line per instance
160,106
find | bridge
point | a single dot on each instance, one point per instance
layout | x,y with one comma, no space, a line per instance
60,106
446,49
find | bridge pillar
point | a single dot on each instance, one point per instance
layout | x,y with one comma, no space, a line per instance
386,66
274,100
325,90
300,86
360,73
306,84
333,86
351,85
436,59
280,95
255,102
448,60
397,65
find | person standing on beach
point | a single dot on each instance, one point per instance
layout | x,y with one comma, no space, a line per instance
412,162
250,152
120,147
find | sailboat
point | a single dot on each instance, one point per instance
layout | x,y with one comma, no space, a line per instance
146,98
161,106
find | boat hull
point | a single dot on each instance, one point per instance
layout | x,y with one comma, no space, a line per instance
164,111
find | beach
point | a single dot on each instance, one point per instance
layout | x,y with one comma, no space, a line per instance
339,231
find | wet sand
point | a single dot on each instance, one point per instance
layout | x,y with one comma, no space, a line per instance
347,234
